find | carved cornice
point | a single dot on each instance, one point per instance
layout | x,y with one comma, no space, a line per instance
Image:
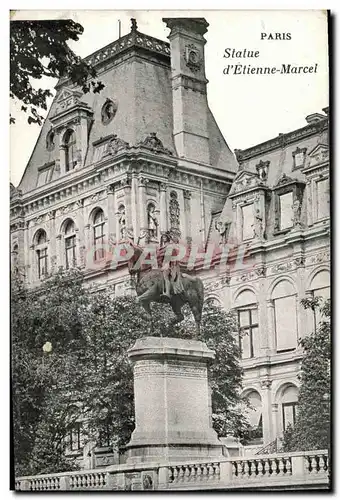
190,82
133,40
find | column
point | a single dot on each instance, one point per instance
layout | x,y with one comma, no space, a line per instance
239,223
27,255
89,250
264,341
143,219
111,214
80,236
271,326
163,216
275,420
267,411
309,315
309,203
126,183
62,156
134,212
187,216
59,252
52,232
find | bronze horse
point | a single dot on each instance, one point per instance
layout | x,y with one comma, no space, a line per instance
149,287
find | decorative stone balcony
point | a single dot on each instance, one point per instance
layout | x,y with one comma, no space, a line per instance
293,471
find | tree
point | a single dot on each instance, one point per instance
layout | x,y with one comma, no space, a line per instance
45,384
85,373
39,49
312,427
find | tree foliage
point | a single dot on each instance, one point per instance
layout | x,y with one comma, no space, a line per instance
312,427
40,49
87,374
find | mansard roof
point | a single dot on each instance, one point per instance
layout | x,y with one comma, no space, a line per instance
136,73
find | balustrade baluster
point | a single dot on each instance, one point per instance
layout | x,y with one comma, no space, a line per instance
266,467
260,468
313,464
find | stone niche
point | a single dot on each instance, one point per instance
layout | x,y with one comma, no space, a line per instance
172,401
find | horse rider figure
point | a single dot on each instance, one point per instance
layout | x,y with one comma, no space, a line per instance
172,277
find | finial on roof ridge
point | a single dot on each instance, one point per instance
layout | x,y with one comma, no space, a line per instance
133,24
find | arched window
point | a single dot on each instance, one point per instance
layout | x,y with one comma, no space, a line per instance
248,322
70,150
289,402
213,301
285,317
41,252
98,234
70,244
254,415
320,287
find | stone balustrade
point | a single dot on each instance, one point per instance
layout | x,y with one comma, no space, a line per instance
297,470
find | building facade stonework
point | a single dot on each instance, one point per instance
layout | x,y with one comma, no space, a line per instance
145,156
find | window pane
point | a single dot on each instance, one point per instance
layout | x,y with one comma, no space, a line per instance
288,410
322,199
254,316
245,344
247,222
299,159
98,231
244,318
286,210
285,323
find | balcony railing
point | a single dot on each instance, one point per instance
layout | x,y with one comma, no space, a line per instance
297,470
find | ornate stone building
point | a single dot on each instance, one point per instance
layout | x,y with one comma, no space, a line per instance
146,155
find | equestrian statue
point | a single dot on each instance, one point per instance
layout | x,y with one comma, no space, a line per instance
166,284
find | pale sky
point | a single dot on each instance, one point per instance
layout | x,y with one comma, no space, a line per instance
249,109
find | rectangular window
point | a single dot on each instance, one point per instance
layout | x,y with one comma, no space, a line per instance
322,196
105,437
286,210
99,242
70,248
285,323
248,325
42,262
248,222
76,438
44,176
288,414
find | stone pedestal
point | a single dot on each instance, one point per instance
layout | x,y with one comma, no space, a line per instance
172,401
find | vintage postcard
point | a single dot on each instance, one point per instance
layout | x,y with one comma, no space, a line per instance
170,250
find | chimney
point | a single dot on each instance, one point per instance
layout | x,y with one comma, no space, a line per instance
189,87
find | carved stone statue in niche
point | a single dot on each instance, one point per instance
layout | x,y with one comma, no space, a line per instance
296,213
174,211
223,227
258,224
152,221
122,222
